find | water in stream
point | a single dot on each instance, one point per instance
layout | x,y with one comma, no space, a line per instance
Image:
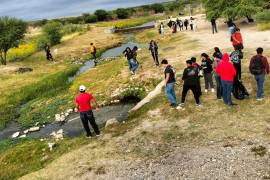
73,127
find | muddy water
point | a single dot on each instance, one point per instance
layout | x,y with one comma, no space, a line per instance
73,126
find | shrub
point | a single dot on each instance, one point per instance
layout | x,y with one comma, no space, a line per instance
263,16
90,18
52,31
71,28
122,13
263,26
101,14
42,41
158,8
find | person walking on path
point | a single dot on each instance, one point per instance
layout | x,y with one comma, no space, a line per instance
237,40
207,72
49,56
236,57
231,27
134,62
169,82
198,67
161,28
217,59
259,67
227,74
186,24
93,51
191,23
153,47
190,77
128,54
83,102
214,25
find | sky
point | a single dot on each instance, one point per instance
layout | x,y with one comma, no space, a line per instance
47,9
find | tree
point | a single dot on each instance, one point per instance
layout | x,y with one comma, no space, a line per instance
122,13
12,31
232,9
158,8
101,14
52,31
89,18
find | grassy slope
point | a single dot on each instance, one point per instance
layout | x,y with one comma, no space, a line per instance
163,129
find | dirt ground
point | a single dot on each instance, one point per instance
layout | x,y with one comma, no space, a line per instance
212,142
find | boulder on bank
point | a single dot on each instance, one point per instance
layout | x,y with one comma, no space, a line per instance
15,135
34,129
23,70
111,122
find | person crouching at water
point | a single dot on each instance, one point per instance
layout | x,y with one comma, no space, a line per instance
153,47
83,102
169,82
190,78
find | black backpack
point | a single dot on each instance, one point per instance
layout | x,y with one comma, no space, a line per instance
239,90
257,67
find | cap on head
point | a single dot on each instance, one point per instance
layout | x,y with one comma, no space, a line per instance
82,88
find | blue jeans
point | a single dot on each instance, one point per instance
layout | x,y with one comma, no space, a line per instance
227,87
231,31
171,93
260,82
134,65
218,86
129,64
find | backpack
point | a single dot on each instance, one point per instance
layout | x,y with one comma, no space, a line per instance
257,67
235,57
239,90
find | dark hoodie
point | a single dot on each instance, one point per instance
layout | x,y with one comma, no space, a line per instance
190,76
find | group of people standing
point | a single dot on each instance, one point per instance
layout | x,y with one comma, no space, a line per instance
179,24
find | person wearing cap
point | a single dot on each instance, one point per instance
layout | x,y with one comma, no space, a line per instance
83,102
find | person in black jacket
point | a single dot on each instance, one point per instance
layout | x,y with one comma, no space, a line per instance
190,78
207,72
153,47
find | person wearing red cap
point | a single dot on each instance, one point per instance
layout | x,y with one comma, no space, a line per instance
83,102
227,73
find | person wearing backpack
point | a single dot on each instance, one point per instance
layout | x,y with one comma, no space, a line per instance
227,74
217,59
259,67
236,57
198,67
207,72
169,82
190,76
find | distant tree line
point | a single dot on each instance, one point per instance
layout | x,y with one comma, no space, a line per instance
122,13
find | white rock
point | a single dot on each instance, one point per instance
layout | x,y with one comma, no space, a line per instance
111,122
51,145
60,131
34,129
59,136
75,110
66,114
26,131
23,136
69,110
15,135
53,134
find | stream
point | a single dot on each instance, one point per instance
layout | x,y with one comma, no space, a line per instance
73,126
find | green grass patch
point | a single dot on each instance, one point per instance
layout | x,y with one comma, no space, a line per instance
263,26
46,87
18,158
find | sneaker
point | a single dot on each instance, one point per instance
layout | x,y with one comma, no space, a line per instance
206,91
199,105
98,135
179,107
132,72
212,90
173,105
89,137
260,99
232,104
181,104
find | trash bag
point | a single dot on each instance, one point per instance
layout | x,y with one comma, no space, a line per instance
239,90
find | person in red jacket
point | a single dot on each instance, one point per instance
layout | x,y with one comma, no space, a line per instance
83,102
227,73
237,40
